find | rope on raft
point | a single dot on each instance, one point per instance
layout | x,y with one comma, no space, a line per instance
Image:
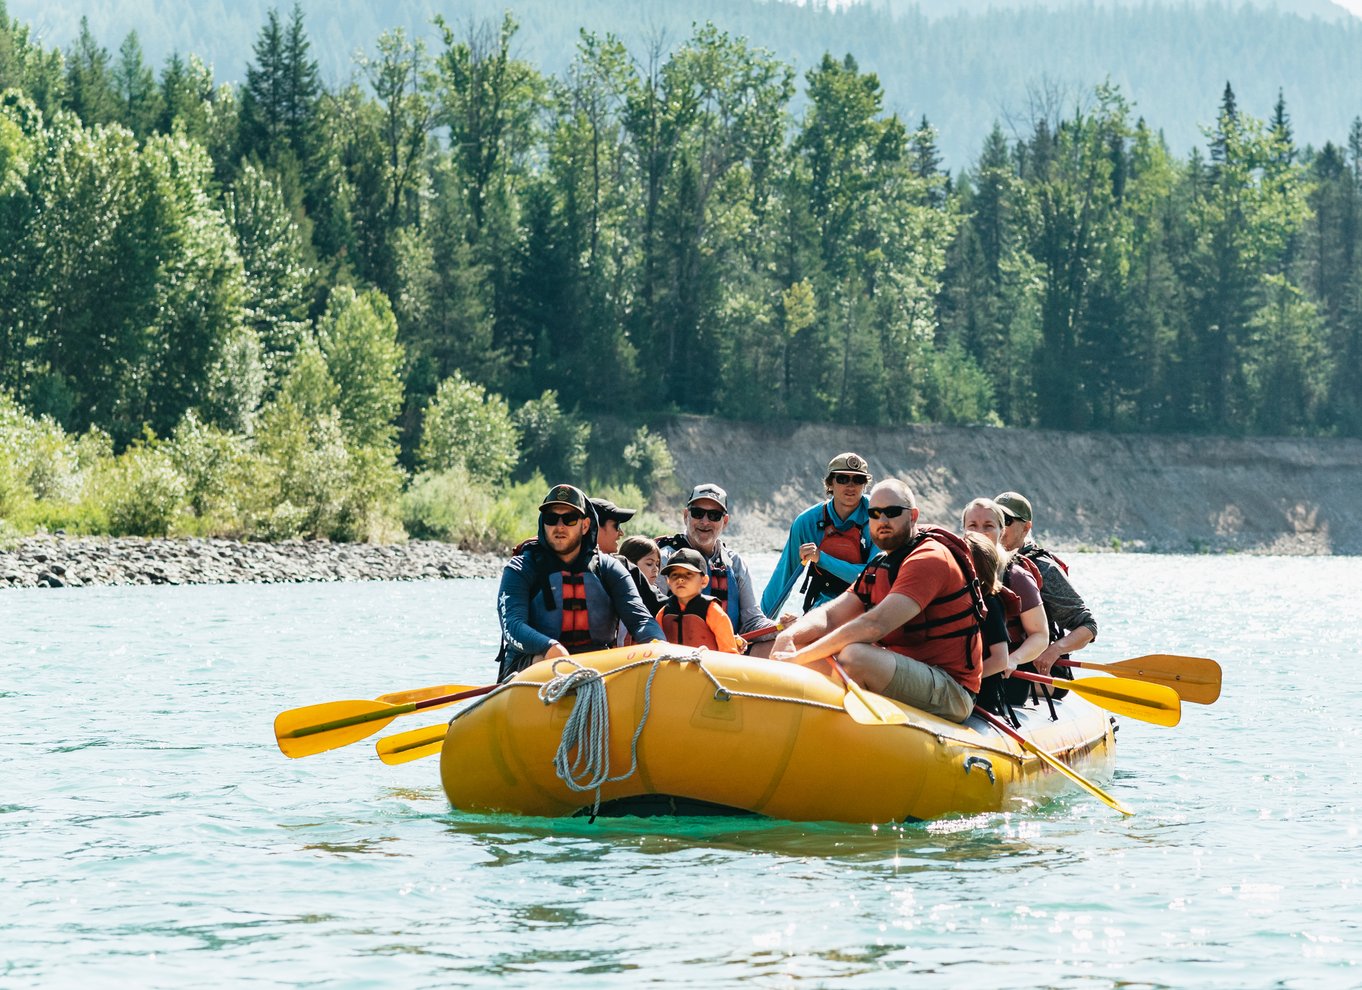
588,728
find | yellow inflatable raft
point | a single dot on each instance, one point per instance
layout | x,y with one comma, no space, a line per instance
660,728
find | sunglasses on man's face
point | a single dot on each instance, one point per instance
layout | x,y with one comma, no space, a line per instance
1009,520
561,518
892,511
848,479
714,515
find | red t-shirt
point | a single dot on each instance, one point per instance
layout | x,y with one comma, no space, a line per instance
927,574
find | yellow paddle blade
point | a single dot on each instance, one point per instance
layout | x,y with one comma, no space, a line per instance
1154,703
407,746
424,694
1195,679
866,707
330,725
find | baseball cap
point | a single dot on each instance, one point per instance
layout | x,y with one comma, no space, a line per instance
848,463
566,495
685,559
606,509
713,492
1014,504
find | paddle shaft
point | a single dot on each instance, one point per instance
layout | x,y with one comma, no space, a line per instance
387,713
1052,761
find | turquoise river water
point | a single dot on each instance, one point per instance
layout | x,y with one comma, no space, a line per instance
152,835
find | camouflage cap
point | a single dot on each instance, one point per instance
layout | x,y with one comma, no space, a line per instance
565,495
712,492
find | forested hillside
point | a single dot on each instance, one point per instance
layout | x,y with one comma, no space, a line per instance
285,304
962,65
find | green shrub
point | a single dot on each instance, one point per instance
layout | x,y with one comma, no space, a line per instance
466,425
552,442
141,492
651,460
450,506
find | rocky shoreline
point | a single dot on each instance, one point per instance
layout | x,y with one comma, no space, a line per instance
74,562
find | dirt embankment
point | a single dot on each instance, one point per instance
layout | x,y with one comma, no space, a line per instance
1162,494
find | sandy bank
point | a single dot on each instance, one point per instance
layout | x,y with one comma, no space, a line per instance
1161,494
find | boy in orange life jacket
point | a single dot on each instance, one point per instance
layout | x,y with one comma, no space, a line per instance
689,618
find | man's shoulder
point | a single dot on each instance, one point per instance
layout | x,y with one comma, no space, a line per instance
609,564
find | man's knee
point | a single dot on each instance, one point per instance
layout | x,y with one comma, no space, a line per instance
871,666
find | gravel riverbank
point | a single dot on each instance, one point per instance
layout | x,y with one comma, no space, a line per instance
60,562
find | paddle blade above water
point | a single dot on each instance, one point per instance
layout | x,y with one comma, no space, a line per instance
1195,679
407,746
330,725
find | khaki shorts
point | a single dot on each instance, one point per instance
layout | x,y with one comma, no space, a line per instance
929,688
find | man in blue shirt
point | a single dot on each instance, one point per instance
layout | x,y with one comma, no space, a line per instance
561,595
832,537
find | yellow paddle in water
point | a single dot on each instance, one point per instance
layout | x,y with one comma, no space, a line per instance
1135,699
1052,761
1195,679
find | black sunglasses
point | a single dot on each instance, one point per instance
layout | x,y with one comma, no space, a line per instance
564,518
1009,520
714,514
849,479
892,511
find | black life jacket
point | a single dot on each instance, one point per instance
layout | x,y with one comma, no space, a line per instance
575,623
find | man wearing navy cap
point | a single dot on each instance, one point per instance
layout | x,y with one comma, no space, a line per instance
611,517
730,582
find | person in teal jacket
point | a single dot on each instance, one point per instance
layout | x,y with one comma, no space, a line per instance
832,536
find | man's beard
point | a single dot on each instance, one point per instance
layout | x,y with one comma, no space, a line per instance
893,541
574,544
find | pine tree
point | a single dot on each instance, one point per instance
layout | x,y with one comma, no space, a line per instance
90,90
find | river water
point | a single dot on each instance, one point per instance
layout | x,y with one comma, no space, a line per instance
151,834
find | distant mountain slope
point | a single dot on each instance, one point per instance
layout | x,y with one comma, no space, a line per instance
1326,9
963,70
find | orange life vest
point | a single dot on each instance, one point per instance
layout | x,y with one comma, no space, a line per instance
689,626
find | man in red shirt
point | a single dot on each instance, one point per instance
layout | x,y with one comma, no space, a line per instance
907,628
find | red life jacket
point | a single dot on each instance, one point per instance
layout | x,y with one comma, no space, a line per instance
963,622
848,544
688,626
576,631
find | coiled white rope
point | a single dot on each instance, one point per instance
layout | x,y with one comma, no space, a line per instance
588,728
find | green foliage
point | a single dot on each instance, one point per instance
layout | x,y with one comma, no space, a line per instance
358,336
652,462
650,231
456,507
552,442
141,491
466,426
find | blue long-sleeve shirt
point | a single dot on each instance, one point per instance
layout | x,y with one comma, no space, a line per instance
807,528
